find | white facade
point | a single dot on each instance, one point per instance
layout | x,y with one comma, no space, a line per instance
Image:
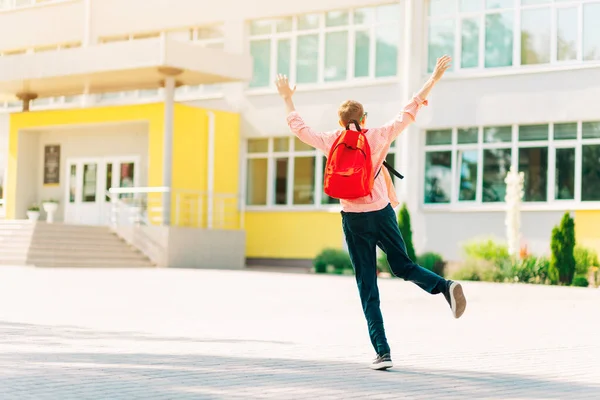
517,63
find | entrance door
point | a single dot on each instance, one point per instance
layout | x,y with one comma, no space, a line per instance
89,179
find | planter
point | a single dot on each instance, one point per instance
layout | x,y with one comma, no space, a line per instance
50,209
33,215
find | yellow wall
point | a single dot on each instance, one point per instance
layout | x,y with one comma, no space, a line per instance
587,228
151,113
291,234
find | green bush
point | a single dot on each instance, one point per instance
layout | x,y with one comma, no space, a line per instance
584,259
562,262
406,230
339,260
383,265
580,280
530,270
433,262
485,261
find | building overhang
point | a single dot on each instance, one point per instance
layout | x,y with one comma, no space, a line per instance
119,66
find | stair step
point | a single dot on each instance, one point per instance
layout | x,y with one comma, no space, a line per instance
90,263
85,254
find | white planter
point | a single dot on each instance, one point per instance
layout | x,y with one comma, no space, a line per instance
50,209
33,215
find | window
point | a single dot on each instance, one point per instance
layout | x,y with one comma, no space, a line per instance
334,46
506,33
285,172
465,165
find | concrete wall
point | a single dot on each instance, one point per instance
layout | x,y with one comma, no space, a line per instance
446,232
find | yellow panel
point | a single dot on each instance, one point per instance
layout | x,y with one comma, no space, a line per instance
587,228
291,234
151,113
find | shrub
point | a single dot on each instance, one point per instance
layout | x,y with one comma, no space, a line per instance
406,230
562,263
485,261
338,259
433,262
585,258
530,269
580,280
383,265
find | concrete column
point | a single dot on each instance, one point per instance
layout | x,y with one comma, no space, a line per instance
26,98
169,99
87,23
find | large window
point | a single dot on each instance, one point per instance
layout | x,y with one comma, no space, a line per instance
327,47
284,171
505,33
559,161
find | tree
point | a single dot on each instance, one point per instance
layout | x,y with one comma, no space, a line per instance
406,230
562,262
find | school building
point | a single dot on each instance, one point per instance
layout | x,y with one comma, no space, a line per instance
173,102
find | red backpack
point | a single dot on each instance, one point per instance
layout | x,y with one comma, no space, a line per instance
349,169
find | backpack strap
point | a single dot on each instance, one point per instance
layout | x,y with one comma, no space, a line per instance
355,122
391,169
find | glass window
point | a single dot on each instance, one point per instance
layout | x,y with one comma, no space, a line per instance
565,174
258,145
337,18
307,59
565,131
72,183
497,134
304,180
283,24
467,170
566,34
261,55
441,41
391,160
496,164
363,16
109,170
284,55
281,173
438,176
438,137
281,144
533,132
89,187
533,162
535,36
309,21
256,191
325,199
386,50
468,135
261,27
499,40
336,56
388,13
362,45
299,145
491,4
591,31
442,7
470,43
470,5
590,173
590,130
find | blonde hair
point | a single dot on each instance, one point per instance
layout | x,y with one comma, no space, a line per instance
350,111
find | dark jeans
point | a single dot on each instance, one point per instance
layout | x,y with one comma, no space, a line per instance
364,232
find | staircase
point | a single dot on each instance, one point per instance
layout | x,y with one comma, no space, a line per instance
60,245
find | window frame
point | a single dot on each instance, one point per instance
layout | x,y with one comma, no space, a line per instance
517,67
291,154
321,31
514,145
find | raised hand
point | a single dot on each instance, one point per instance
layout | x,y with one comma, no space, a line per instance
283,87
443,63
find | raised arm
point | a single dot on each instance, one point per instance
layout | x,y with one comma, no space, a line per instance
409,113
319,140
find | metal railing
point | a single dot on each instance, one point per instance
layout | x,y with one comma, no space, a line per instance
189,208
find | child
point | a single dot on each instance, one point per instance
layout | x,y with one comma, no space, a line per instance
370,221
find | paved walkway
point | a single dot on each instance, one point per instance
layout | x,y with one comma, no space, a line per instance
187,334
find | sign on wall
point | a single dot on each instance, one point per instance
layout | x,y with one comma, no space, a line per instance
52,164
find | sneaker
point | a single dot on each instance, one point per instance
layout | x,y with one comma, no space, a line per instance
382,362
456,298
